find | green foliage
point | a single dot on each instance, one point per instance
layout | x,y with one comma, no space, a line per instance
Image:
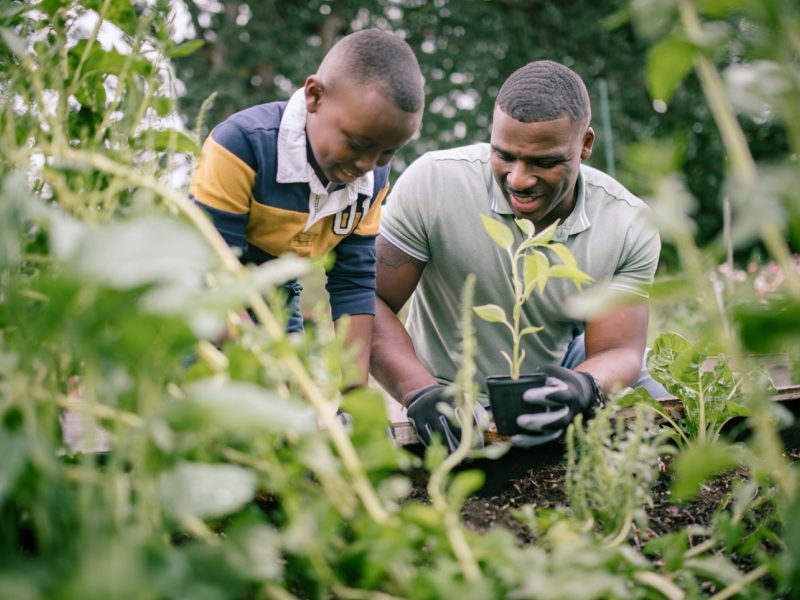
140,459
711,392
611,470
534,274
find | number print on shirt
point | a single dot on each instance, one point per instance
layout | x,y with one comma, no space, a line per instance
344,222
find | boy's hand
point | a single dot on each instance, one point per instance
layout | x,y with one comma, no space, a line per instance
424,415
566,393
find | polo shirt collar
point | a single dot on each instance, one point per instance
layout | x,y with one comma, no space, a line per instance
293,165
575,223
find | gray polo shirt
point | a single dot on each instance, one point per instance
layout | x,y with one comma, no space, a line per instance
433,214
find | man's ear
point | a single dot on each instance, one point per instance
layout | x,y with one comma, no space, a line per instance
588,143
314,90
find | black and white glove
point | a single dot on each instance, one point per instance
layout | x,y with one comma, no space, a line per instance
424,415
553,406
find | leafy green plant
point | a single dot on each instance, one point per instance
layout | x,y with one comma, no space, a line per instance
530,271
710,390
611,469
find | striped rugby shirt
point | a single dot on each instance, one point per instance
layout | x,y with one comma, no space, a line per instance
255,181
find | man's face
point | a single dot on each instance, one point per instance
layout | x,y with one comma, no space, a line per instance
537,164
353,129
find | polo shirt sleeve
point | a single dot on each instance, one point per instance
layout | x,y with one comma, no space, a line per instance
639,259
222,183
407,216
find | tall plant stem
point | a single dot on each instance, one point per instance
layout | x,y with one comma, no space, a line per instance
744,170
742,164
436,483
341,440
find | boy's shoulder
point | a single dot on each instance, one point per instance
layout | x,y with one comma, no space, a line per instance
258,117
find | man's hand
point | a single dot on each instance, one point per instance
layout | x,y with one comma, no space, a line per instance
566,393
424,415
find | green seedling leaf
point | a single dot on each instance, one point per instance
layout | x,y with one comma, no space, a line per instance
500,233
525,225
535,271
491,313
564,253
530,329
574,274
697,464
206,490
546,236
668,63
185,49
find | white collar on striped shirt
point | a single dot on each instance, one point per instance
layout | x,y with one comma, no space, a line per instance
293,165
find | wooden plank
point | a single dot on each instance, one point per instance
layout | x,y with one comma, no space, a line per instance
405,435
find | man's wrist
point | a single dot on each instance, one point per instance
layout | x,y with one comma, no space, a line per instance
418,393
597,398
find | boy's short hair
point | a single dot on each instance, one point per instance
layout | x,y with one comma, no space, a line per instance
544,90
373,55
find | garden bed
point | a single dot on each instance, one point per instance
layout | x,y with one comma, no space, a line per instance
537,478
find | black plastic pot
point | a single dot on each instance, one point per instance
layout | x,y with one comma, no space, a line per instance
505,397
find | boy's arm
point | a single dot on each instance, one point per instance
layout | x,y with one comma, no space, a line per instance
351,287
223,182
359,336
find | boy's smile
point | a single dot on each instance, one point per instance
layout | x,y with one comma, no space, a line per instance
353,129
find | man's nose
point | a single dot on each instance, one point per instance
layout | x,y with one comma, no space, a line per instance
521,176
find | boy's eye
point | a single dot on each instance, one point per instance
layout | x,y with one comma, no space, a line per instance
355,145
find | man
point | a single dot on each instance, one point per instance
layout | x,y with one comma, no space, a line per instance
432,238
308,176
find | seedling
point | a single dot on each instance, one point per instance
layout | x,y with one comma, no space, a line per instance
531,269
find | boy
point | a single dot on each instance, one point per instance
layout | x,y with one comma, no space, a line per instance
308,176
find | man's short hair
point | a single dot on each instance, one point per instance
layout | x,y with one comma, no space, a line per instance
374,55
544,90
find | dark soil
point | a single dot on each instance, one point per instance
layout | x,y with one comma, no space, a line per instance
542,487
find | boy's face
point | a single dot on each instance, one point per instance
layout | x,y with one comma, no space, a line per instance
537,164
353,129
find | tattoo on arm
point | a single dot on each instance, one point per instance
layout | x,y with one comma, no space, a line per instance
393,257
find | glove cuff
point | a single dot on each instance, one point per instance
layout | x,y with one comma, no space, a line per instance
597,398
426,391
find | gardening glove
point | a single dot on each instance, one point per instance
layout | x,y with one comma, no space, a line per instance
426,419
566,393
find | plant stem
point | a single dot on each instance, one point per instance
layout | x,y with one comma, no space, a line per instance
742,583
436,482
744,170
660,584
205,227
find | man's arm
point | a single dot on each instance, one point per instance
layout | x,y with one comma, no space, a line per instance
393,361
615,344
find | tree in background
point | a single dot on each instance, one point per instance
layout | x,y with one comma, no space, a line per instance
261,51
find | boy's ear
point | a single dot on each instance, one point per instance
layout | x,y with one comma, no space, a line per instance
314,89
